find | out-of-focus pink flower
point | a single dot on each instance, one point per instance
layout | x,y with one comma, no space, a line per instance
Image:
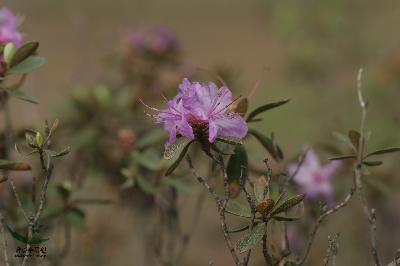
201,111
8,31
157,40
8,28
314,178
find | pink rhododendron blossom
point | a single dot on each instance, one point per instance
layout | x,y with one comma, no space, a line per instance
201,111
314,178
8,28
157,40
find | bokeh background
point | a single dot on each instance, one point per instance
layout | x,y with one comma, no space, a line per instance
309,51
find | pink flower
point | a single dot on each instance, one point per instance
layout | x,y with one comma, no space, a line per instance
157,40
8,28
8,31
313,178
201,111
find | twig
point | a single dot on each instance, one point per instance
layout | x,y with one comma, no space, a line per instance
267,257
253,207
221,204
332,251
4,240
48,171
321,218
370,214
17,198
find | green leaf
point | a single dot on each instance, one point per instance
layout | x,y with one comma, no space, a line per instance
343,157
264,108
14,166
58,153
344,139
236,208
374,163
267,143
286,218
384,151
230,140
24,52
28,65
354,137
235,163
288,204
24,239
176,148
151,138
9,52
21,95
251,238
179,151
145,185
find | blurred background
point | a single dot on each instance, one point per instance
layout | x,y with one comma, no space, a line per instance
309,51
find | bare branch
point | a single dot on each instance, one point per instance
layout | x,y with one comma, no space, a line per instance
321,218
221,204
4,240
369,213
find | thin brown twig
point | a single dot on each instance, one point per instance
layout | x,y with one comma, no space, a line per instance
320,220
221,204
4,240
48,171
369,213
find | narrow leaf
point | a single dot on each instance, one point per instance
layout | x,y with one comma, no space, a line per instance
230,140
28,65
264,108
384,151
286,218
176,148
374,163
14,166
267,144
354,137
252,238
236,208
58,153
24,52
24,239
344,139
236,162
289,203
22,95
343,157
179,157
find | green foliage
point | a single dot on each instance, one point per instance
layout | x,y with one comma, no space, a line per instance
253,114
14,166
29,64
236,162
268,144
22,95
251,238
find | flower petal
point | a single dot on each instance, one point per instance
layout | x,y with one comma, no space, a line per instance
231,125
